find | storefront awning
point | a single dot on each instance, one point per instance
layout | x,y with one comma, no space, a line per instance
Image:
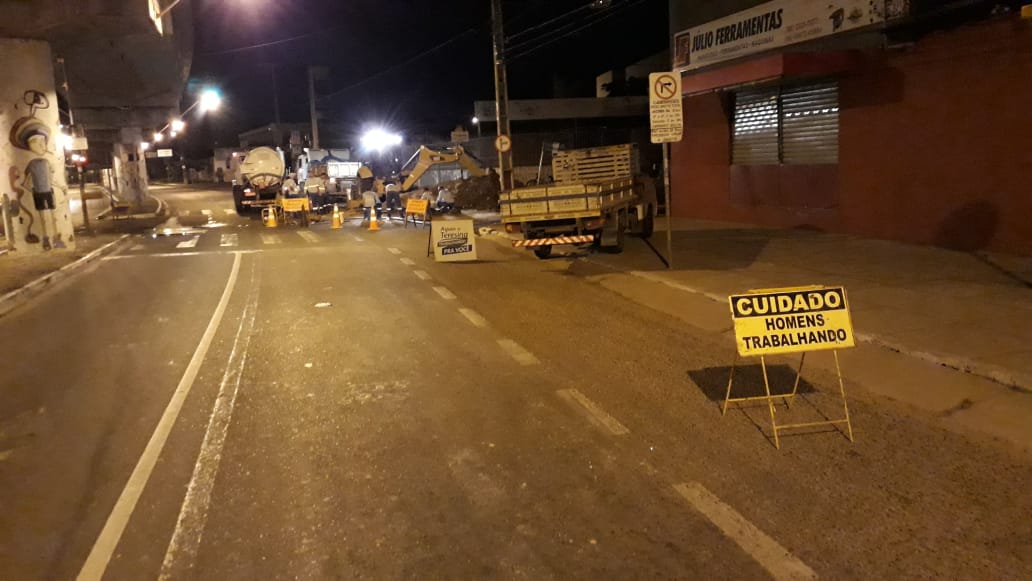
775,67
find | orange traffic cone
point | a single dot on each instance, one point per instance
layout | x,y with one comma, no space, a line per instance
269,217
336,218
373,224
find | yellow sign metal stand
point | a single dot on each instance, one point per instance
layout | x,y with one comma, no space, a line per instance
789,320
788,398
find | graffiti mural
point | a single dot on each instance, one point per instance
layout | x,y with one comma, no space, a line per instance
32,134
38,206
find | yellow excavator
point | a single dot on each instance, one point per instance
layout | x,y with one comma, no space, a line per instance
427,158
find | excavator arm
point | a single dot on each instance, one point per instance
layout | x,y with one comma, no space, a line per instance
427,158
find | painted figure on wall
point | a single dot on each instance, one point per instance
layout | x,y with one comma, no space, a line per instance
38,178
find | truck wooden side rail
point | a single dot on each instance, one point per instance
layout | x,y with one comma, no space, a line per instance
606,201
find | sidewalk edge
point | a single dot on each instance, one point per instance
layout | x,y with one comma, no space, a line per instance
19,296
1005,377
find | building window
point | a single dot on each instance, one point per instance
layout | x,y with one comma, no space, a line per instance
786,125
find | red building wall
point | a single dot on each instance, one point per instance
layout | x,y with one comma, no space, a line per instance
935,147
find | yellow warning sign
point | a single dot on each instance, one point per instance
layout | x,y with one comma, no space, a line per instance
790,320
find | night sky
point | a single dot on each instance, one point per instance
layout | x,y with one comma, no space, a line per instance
413,66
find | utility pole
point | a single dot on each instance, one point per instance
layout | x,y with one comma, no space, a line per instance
312,73
501,92
275,93
72,128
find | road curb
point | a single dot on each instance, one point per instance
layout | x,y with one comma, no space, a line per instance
1006,377
19,296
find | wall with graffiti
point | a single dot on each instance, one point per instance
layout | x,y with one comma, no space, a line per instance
31,157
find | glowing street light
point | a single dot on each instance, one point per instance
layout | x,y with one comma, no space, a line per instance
172,134
144,145
379,140
210,100
177,126
158,136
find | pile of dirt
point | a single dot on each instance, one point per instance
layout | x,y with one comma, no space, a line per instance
477,193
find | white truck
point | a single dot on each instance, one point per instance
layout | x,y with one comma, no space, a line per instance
598,196
259,179
327,175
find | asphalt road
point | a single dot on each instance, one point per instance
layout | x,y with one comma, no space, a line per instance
234,402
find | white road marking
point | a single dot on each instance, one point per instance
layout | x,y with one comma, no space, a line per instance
422,274
179,254
184,212
193,515
206,212
309,236
136,247
596,414
408,262
229,240
474,317
358,238
229,211
766,551
192,242
393,251
445,293
270,238
106,543
517,352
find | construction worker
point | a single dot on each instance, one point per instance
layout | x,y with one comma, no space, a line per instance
393,199
445,199
369,204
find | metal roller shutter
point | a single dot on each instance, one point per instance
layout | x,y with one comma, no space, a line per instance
755,131
809,124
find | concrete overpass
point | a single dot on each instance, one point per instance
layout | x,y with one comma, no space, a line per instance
120,73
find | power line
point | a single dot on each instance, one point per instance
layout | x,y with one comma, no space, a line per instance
522,52
418,56
592,18
526,31
272,42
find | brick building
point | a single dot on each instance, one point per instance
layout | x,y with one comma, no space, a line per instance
915,125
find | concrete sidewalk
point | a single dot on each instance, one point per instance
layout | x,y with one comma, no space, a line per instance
970,312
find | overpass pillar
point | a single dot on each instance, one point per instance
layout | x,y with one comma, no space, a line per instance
34,194
130,166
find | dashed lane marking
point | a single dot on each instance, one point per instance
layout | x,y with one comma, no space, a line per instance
408,262
393,251
445,293
271,238
517,352
229,240
358,238
422,274
178,254
184,212
136,247
229,211
192,242
776,559
474,317
309,236
206,212
596,414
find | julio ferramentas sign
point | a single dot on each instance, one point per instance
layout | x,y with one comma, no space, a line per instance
790,320
453,240
770,25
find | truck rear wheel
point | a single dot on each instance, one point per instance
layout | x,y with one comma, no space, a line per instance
543,252
648,225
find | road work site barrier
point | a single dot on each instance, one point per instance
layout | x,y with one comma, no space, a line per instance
790,320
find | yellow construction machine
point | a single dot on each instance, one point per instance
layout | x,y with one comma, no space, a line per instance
427,158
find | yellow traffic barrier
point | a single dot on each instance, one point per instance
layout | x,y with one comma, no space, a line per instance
373,224
336,218
269,217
